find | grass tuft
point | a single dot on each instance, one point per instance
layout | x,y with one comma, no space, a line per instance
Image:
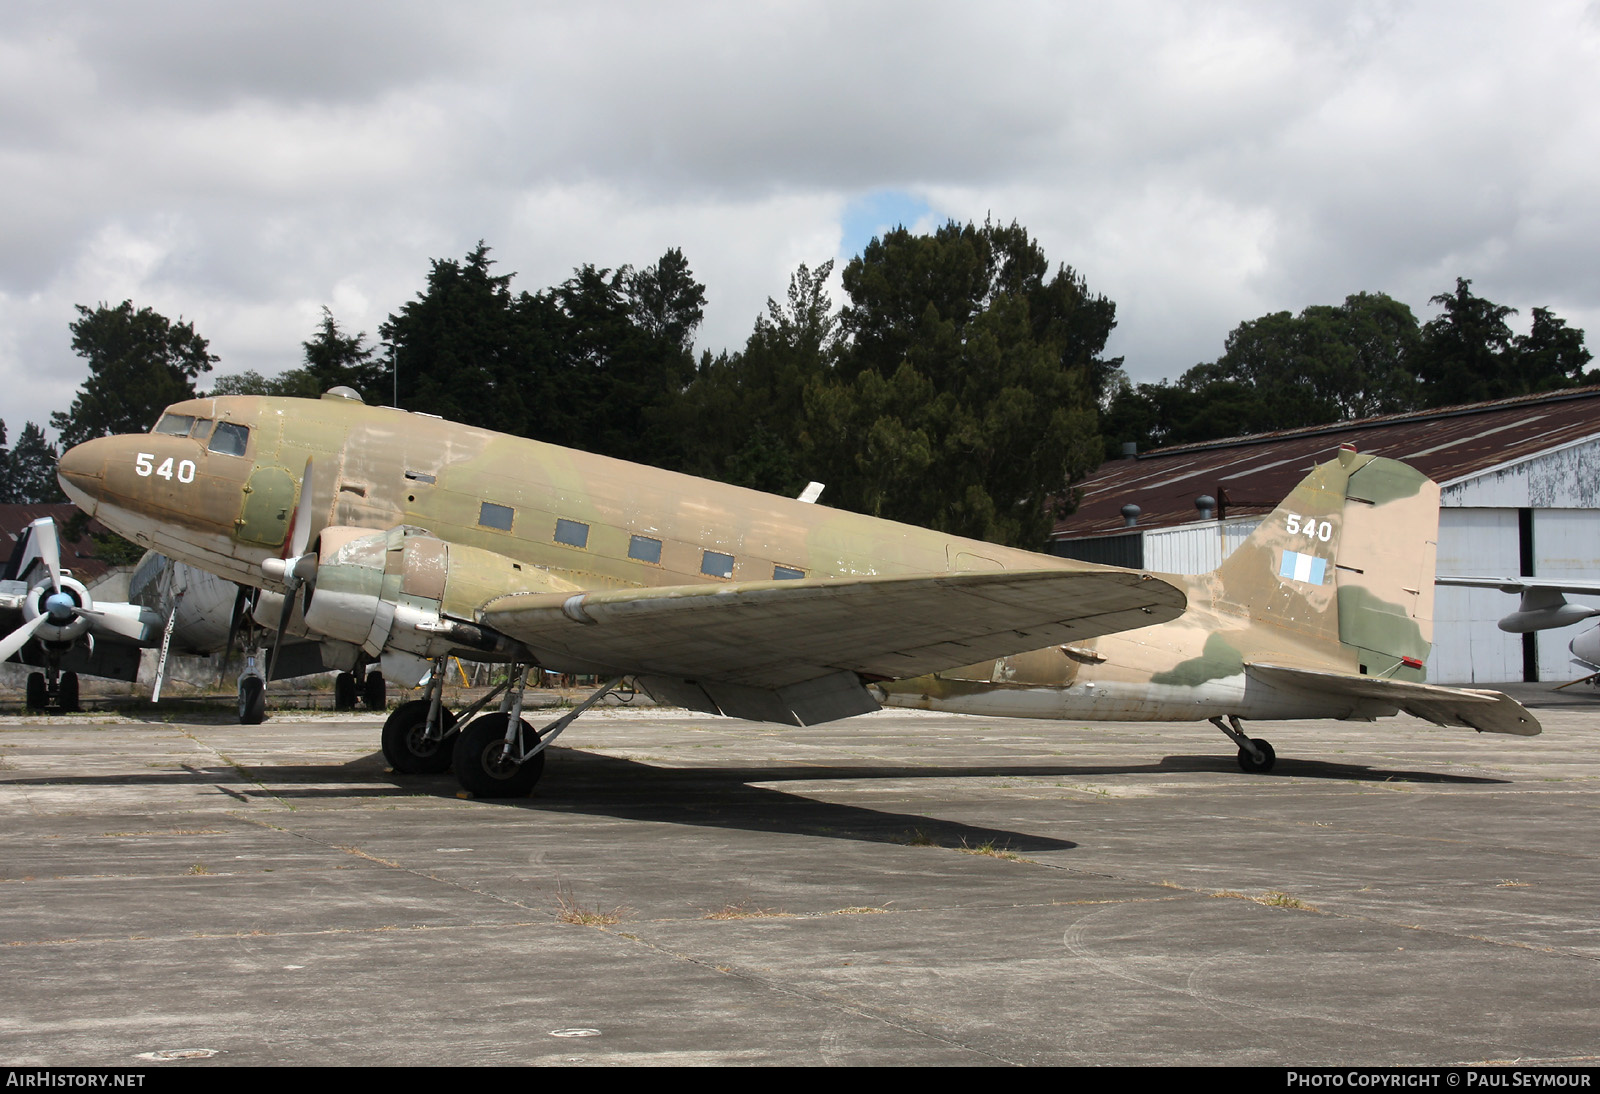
570,911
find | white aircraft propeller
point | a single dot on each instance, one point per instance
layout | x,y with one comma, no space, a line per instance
297,567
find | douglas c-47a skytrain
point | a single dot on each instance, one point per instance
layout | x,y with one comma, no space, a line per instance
404,538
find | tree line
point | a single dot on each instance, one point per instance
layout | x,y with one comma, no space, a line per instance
961,385
1365,357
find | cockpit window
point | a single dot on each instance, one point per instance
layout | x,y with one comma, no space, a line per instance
202,429
230,439
177,425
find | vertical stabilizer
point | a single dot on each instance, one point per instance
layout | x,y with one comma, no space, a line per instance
1347,559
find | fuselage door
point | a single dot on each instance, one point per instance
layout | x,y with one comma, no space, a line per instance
268,501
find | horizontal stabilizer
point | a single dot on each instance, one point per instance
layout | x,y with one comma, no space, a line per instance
1474,708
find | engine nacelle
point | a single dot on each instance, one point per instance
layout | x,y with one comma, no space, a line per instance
405,590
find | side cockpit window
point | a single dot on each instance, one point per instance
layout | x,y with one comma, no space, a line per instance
230,439
175,425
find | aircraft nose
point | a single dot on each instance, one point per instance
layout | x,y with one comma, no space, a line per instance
82,472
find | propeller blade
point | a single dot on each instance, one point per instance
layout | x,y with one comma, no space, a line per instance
294,544
18,638
48,544
124,619
283,625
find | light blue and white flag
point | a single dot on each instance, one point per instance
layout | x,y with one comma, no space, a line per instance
1307,568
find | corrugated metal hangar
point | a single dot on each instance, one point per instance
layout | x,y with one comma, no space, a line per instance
1519,496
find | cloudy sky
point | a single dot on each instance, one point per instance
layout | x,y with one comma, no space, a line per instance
243,165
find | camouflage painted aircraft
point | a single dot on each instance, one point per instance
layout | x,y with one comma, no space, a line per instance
402,537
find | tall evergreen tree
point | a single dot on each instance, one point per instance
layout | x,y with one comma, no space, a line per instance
139,362
965,393
742,417
336,359
31,476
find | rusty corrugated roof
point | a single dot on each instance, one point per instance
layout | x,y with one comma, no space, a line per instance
74,556
1446,444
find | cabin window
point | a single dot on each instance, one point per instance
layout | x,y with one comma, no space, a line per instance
787,573
175,425
645,549
230,439
495,516
572,533
716,564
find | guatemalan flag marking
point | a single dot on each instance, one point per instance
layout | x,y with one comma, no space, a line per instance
1307,568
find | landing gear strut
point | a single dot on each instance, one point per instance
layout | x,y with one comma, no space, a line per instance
1255,755
416,737
501,756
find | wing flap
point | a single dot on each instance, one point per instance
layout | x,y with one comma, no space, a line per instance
1473,708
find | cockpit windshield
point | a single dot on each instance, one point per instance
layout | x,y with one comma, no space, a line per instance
230,439
175,425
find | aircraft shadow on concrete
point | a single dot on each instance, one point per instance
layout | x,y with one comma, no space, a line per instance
725,797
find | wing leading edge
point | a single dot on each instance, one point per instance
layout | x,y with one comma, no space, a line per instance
796,651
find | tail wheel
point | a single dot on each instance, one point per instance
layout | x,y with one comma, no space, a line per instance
1249,763
481,765
406,744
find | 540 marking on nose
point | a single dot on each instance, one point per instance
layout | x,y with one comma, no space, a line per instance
145,464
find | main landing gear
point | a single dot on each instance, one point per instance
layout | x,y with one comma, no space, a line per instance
1255,755
52,689
494,755
350,687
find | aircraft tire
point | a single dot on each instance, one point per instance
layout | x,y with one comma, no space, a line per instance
477,760
344,692
374,695
1249,763
38,695
406,746
67,693
252,701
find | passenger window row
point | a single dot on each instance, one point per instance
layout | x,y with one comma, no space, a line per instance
574,533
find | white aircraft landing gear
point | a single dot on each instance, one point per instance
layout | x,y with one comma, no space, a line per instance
1255,755
500,755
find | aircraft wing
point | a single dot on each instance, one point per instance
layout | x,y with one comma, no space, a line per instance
1542,605
1485,711
1521,584
796,651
